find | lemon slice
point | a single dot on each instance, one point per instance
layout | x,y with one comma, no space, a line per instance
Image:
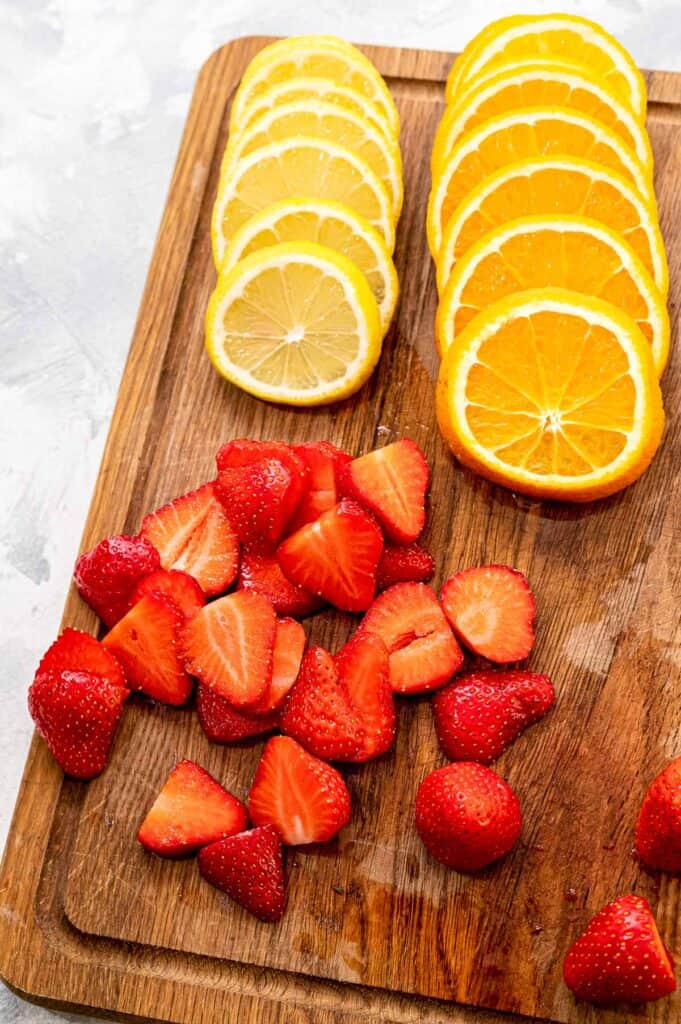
333,225
318,119
552,394
551,186
314,56
295,323
298,167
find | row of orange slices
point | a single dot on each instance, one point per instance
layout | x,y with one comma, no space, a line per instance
552,277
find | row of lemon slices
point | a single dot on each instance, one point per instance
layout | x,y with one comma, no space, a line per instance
304,224
551,271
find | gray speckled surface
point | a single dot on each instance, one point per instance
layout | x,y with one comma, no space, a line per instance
93,94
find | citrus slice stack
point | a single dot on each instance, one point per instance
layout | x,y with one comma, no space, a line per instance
542,222
303,225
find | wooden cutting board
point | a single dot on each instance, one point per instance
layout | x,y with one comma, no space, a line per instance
375,930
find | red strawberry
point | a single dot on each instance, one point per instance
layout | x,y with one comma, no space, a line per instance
404,563
249,867
289,644
620,957
107,575
392,483
79,652
319,713
324,464
224,724
336,556
423,651
191,810
229,644
363,667
658,830
179,586
304,798
480,714
145,643
467,816
245,451
261,573
193,534
491,609
76,713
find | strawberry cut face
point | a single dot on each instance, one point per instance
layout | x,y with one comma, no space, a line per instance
392,483
364,668
491,609
324,464
180,587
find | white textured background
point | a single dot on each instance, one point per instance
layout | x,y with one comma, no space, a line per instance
93,94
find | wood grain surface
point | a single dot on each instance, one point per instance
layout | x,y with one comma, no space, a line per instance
375,929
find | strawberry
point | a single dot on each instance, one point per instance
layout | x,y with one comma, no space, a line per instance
76,713
79,652
245,451
491,609
423,651
467,816
324,463
318,712
289,644
249,867
392,483
145,643
480,714
404,563
336,556
229,644
620,957
193,534
261,573
363,667
224,724
179,586
658,830
107,575
191,810
304,798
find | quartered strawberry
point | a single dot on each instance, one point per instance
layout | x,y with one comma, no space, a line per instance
77,651
324,463
491,609
145,643
223,723
658,830
180,587
191,810
620,957
249,867
392,483
305,799
193,534
480,714
289,644
404,563
76,713
467,816
107,575
423,651
318,712
244,451
261,573
363,667
229,645
336,556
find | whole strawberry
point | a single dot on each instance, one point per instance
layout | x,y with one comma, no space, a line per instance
107,575
249,867
658,830
467,816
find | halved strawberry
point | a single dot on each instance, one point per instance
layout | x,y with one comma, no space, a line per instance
249,867
404,563
261,573
179,586
229,645
318,712
223,723
363,667
193,534
324,463
658,828
336,556
289,644
423,651
491,609
145,643
191,810
107,575
305,799
77,651
392,483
